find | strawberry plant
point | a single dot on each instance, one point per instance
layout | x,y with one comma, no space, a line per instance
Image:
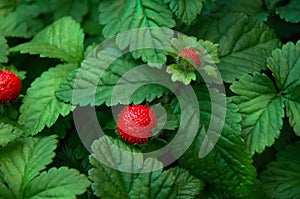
149,99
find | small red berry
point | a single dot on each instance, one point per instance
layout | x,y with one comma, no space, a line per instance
193,54
10,86
135,123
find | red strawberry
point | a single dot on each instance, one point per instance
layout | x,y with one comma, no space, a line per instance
10,86
135,123
191,53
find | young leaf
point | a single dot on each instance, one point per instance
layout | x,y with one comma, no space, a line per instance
95,81
130,14
46,107
3,50
281,179
290,12
23,159
227,167
186,10
245,44
62,40
111,183
60,183
285,66
259,105
181,75
8,133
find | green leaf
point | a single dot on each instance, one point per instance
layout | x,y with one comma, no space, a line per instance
181,75
130,14
46,107
94,83
76,9
259,105
111,183
245,44
23,22
188,186
23,159
60,183
3,50
8,133
281,179
290,12
186,10
228,166
285,66
62,40
293,112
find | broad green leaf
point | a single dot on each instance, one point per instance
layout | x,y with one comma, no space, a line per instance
281,178
94,83
23,159
3,50
245,44
261,110
111,183
23,22
285,66
62,183
186,10
76,9
62,40
8,133
290,12
40,107
123,15
188,186
228,166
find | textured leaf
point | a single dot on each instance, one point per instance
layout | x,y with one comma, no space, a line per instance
22,22
130,14
76,9
245,44
23,159
281,179
111,183
188,186
46,107
186,10
94,83
285,66
227,167
63,40
290,12
3,50
62,183
8,133
261,110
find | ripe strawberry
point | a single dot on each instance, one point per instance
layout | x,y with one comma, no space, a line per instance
10,86
192,54
135,123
